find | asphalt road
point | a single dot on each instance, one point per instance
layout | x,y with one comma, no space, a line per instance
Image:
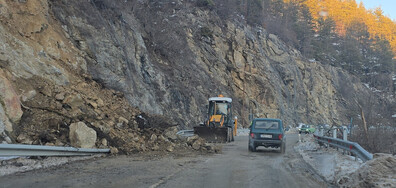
234,167
237,167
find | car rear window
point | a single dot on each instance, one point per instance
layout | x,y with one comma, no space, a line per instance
266,125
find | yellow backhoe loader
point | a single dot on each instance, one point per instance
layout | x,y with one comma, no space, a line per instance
219,125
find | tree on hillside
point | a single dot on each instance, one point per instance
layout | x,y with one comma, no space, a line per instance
383,56
324,40
303,29
346,12
358,31
350,57
341,33
254,12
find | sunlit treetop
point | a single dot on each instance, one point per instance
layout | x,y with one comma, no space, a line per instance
346,12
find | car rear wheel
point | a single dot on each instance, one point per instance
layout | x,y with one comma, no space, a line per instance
252,149
282,148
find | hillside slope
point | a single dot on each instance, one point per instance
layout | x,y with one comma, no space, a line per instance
97,61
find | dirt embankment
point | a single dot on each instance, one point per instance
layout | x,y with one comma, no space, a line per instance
379,172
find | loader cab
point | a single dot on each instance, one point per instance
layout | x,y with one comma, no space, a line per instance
220,106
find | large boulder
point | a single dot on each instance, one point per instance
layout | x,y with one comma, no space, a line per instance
170,133
74,101
5,124
198,143
9,99
24,139
82,136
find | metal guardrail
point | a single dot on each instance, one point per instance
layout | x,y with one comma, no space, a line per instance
352,147
186,133
36,150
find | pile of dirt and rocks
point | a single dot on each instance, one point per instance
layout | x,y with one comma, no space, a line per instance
85,114
347,171
379,172
151,147
147,136
162,140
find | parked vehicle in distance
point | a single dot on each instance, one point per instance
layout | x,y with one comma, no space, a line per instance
268,133
299,126
307,129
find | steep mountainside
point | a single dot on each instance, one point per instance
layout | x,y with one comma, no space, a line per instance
67,61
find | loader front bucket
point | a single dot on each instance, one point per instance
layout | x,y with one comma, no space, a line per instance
212,134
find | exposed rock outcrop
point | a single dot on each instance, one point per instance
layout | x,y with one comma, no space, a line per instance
101,62
169,57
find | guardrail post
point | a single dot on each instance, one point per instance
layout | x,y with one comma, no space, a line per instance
344,133
346,146
334,133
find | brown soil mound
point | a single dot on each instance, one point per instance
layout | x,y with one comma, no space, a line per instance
379,172
49,113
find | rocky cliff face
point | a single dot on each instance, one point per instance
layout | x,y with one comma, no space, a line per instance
80,60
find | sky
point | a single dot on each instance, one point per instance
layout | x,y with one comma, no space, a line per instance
388,6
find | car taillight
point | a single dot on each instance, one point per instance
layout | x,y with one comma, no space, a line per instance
252,135
280,136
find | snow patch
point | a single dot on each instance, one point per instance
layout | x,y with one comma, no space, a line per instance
11,165
7,158
327,162
373,89
312,60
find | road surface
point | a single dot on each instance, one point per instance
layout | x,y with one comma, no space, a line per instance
234,167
